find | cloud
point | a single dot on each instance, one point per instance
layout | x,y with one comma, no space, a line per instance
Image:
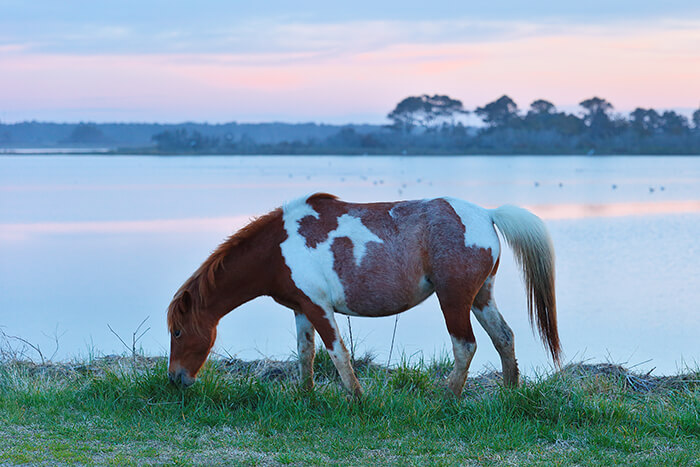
270,36
216,27
265,68
14,48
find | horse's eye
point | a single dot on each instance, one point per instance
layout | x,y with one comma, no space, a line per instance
177,333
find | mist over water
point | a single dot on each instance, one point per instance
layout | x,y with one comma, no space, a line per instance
90,241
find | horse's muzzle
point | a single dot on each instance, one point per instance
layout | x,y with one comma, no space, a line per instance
181,378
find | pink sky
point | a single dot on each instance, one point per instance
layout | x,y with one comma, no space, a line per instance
648,65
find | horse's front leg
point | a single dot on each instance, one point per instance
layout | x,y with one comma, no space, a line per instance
305,349
323,320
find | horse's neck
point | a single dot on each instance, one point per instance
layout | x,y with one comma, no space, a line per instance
245,275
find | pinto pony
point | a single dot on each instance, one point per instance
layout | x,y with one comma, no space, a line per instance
319,256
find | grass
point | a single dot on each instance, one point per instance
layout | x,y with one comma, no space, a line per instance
123,411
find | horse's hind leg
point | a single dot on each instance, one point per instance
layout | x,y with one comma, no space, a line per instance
455,304
305,349
485,310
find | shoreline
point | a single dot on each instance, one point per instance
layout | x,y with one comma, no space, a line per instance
390,153
285,371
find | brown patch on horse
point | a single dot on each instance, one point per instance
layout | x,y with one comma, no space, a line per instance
377,218
388,278
193,294
316,229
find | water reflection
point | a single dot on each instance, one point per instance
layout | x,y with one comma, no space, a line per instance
219,224
233,223
583,211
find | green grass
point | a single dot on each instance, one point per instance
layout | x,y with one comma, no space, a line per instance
119,413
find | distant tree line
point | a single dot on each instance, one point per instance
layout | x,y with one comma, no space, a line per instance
543,129
139,137
422,124
434,125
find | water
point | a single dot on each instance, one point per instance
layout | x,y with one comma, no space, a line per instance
87,242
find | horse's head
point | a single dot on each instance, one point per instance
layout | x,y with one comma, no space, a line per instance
192,335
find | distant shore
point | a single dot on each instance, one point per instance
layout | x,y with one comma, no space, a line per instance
548,134
18,152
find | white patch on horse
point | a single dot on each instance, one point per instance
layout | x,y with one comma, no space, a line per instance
353,228
478,227
463,351
312,268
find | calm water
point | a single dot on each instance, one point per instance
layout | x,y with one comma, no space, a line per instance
87,242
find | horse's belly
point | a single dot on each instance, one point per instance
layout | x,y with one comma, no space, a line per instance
379,298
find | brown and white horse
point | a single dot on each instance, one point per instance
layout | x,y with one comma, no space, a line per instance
319,256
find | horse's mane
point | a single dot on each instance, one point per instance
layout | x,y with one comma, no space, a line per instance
192,295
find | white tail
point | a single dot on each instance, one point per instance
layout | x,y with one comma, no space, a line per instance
527,235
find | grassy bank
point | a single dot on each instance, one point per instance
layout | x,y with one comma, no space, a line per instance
121,410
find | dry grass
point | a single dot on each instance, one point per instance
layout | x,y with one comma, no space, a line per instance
286,371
